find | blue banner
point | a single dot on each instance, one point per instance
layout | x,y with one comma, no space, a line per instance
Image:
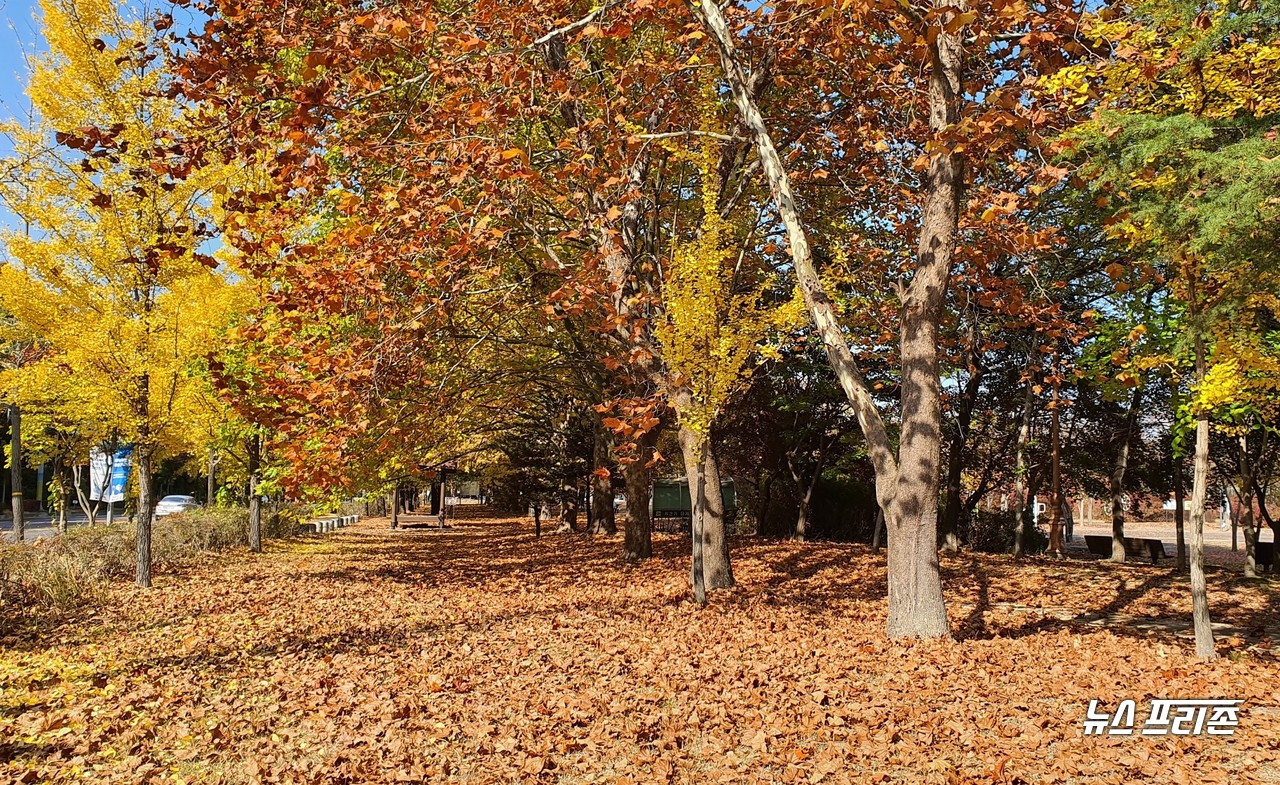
109,473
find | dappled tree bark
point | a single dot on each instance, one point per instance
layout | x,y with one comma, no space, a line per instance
146,495
569,498
1055,482
710,546
15,472
638,528
602,517
1021,514
1199,491
255,495
907,488
916,607
146,511
1246,509
1118,468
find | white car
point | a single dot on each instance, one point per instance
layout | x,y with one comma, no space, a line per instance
171,504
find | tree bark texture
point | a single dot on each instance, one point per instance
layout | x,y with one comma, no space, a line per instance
906,486
1199,490
711,567
1119,466
1021,515
602,517
15,473
638,528
255,496
146,494
146,512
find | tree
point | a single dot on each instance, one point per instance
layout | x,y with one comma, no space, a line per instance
1184,154
715,315
111,274
906,478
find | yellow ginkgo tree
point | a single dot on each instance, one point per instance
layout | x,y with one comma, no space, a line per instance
110,272
716,315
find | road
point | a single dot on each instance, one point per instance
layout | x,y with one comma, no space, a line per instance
1213,535
40,524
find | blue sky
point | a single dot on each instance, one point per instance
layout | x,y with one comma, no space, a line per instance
18,33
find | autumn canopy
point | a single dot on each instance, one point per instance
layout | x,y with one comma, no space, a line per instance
938,278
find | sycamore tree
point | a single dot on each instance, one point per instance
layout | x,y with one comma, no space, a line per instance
111,273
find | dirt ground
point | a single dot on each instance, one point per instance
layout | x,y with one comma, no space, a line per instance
482,655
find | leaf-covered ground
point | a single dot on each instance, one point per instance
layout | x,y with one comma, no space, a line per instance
481,655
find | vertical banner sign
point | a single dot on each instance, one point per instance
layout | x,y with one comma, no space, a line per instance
109,473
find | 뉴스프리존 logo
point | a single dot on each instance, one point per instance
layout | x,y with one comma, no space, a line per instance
1174,717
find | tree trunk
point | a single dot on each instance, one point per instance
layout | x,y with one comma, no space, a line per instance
916,606
1023,521
393,501
637,541
1179,513
569,506
1246,510
950,523
255,497
1118,469
806,499
877,537
711,568
89,509
15,473
146,511
1199,489
602,518
146,494
805,489
211,490
60,477
907,488
1055,475
690,445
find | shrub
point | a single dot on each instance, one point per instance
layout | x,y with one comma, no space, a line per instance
995,532
72,569
208,529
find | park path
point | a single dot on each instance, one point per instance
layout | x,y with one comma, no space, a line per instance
481,655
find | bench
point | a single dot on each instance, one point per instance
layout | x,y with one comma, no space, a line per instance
1264,555
681,521
1133,547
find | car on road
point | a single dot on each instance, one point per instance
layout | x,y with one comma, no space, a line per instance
171,504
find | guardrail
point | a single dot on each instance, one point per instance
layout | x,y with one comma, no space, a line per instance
326,525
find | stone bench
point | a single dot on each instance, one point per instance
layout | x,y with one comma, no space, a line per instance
326,525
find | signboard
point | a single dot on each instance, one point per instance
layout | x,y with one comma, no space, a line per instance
109,474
